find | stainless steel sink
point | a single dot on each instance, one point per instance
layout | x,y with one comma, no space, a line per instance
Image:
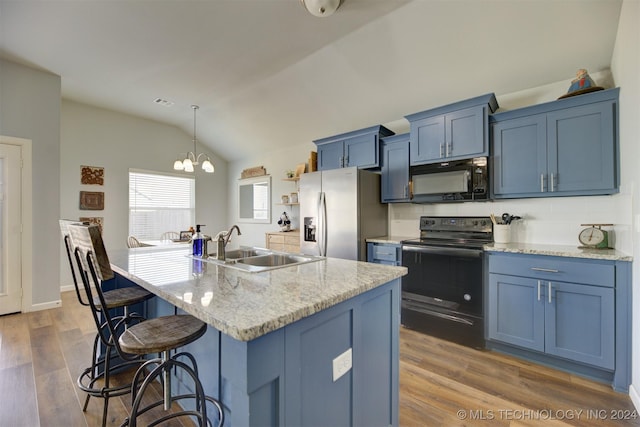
255,260
235,254
274,260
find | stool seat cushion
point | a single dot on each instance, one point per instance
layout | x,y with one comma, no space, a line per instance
162,334
123,296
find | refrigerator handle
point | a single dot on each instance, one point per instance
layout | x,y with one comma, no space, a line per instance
322,221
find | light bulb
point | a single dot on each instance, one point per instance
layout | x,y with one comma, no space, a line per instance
207,166
188,165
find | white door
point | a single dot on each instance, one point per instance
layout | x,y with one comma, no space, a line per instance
10,229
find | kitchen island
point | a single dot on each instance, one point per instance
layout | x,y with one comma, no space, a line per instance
312,344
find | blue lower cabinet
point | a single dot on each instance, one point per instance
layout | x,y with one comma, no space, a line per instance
580,325
384,253
515,314
573,321
566,310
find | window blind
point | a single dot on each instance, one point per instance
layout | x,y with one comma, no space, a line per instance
159,203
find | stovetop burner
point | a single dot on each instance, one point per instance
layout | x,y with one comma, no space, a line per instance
455,231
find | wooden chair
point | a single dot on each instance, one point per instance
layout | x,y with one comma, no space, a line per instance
170,235
132,242
160,335
95,379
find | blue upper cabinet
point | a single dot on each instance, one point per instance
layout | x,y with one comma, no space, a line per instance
562,148
359,148
582,148
452,132
395,168
519,149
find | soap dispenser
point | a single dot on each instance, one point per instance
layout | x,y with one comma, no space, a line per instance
198,242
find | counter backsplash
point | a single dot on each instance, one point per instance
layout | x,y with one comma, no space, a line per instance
545,221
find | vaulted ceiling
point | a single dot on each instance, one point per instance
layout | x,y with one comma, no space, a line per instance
267,74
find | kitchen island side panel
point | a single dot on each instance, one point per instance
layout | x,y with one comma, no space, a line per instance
285,378
367,394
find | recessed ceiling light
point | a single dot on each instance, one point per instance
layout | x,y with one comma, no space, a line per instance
163,102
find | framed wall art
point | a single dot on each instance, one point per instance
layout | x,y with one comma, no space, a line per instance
91,175
91,200
97,220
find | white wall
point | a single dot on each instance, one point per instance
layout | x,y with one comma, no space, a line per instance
276,164
97,137
625,66
30,109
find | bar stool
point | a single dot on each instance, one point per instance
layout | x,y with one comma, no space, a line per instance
101,368
159,335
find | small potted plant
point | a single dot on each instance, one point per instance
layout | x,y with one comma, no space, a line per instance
290,173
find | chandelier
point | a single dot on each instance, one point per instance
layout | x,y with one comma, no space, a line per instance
193,158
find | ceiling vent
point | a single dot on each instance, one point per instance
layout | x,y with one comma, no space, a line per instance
163,102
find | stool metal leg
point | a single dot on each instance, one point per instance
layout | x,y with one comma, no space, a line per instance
166,374
161,368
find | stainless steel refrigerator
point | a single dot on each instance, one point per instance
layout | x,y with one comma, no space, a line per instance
339,210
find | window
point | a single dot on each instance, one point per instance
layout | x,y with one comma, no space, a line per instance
160,203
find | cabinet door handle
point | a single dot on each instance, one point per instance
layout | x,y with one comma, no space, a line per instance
449,150
542,183
539,284
406,191
442,152
346,161
549,292
552,183
546,270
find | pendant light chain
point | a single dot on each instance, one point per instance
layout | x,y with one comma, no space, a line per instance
195,108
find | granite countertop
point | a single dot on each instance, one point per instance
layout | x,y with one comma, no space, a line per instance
246,305
532,249
558,250
390,239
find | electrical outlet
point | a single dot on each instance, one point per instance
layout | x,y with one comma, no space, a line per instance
341,365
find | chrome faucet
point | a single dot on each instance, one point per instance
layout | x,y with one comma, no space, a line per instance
223,239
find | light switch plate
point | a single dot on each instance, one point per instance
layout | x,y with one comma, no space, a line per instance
342,364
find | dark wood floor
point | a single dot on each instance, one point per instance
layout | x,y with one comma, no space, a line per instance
441,384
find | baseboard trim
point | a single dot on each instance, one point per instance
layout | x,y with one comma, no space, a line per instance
67,288
635,397
46,305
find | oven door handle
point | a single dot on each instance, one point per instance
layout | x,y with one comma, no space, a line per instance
440,250
421,309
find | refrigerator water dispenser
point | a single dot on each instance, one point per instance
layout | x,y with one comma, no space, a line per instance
309,229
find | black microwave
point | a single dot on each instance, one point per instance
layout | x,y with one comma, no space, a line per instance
455,181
